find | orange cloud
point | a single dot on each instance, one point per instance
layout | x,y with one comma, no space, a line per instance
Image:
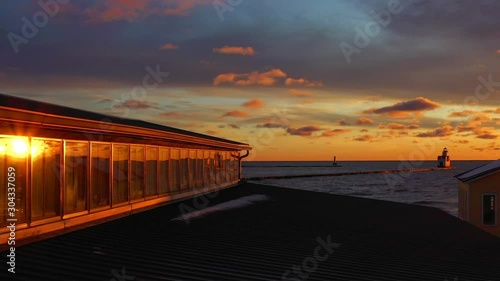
254,78
403,109
299,93
498,52
236,113
485,133
303,131
134,10
364,121
444,131
307,101
464,113
363,138
396,126
255,103
290,82
169,47
244,51
335,132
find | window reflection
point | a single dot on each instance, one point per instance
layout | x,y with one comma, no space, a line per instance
12,157
174,170
199,168
184,170
151,171
120,173
136,172
100,179
46,164
192,169
75,192
164,170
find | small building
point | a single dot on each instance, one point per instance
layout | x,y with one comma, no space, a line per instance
444,159
478,192
62,167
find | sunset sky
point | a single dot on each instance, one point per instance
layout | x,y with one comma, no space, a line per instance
297,80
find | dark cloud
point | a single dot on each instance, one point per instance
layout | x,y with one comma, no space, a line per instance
444,131
303,131
402,109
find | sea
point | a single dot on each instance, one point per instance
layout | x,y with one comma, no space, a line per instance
434,188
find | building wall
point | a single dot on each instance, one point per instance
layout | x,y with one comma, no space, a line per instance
463,204
48,181
486,185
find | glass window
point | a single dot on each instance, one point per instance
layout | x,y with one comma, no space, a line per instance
46,184
136,172
100,175
235,166
151,171
192,169
164,170
206,168
227,166
184,170
120,173
175,156
75,191
13,161
489,209
199,168
212,168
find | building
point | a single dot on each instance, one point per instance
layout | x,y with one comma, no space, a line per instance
444,159
63,167
478,192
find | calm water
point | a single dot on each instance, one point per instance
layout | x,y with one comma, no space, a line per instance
431,188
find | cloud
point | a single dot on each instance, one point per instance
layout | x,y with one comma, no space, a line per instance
363,138
301,82
255,103
210,132
300,93
403,109
303,131
244,51
234,126
169,46
335,132
236,113
444,131
136,10
485,133
309,101
498,52
271,126
364,121
462,129
396,126
342,123
135,104
253,78
464,113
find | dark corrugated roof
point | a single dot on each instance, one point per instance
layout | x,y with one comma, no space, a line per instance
378,241
484,170
37,106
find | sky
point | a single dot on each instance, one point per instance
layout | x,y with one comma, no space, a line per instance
297,80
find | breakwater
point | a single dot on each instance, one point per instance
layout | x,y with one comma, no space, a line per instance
412,170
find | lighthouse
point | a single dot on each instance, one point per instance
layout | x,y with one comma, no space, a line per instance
444,159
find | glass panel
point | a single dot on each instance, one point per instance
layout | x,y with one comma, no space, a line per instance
235,166
120,173
164,170
192,169
174,170
75,192
46,185
151,171
100,175
184,170
227,166
489,209
136,172
211,166
199,168
13,158
206,168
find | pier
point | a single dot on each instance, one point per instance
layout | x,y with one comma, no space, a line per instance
411,170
